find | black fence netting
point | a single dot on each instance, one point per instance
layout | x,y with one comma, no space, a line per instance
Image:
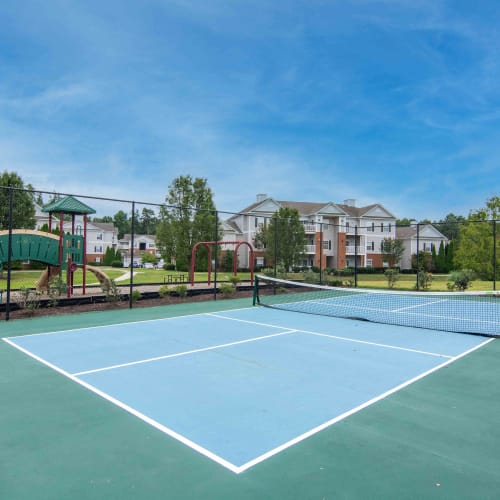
59,250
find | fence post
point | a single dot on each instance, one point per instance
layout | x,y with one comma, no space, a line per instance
320,253
132,230
418,255
9,252
216,239
355,256
275,246
494,254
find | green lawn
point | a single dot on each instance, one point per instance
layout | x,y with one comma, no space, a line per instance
120,275
160,276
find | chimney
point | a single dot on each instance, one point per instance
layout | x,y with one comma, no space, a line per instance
261,197
351,202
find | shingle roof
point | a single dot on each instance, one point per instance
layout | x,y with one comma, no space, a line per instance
68,205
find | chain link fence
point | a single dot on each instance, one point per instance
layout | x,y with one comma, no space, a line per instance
58,249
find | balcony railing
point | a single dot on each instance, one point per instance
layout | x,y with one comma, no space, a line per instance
353,249
310,228
310,248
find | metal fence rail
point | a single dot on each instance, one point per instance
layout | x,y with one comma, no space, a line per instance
332,252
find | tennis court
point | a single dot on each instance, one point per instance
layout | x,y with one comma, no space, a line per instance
225,400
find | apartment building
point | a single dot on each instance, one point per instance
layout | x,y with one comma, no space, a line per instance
338,235
143,243
424,239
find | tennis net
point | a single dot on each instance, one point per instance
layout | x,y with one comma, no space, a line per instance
464,312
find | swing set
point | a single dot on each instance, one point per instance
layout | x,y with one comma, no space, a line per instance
209,245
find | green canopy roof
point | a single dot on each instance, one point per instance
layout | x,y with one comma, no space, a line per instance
68,205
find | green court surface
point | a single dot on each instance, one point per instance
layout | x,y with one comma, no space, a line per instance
436,438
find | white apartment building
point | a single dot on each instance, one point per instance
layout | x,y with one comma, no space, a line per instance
428,236
338,235
143,243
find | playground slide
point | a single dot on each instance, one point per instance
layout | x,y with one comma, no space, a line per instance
43,281
100,275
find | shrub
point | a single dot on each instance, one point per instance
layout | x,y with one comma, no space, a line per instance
392,276
29,299
169,267
460,280
136,295
424,280
226,289
234,280
164,291
111,291
117,263
181,290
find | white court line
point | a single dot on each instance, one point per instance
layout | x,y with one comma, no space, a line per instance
110,325
418,305
221,461
345,339
133,411
184,353
348,413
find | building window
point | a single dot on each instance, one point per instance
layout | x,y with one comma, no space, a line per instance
99,236
98,249
369,262
142,246
381,227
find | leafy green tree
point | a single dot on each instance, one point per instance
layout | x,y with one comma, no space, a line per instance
227,261
23,215
105,218
148,221
440,265
450,255
404,222
122,223
189,218
475,243
284,238
423,262
450,225
392,251
109,256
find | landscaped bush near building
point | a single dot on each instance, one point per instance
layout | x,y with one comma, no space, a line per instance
460,280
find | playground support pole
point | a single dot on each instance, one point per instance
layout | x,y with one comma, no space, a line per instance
9,252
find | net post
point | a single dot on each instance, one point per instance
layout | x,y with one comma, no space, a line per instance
320,253
255,291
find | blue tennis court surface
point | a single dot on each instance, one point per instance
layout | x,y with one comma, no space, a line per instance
240,386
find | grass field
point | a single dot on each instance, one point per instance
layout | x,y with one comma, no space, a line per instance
160,276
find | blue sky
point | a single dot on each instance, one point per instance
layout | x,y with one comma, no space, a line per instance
390,101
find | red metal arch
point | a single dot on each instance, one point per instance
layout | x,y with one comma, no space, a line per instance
209,245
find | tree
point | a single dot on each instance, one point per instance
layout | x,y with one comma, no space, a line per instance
475,242
23,214
148,221
122,223
392,251
450,225
404,222
423,263
441,266
284,238
189,218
